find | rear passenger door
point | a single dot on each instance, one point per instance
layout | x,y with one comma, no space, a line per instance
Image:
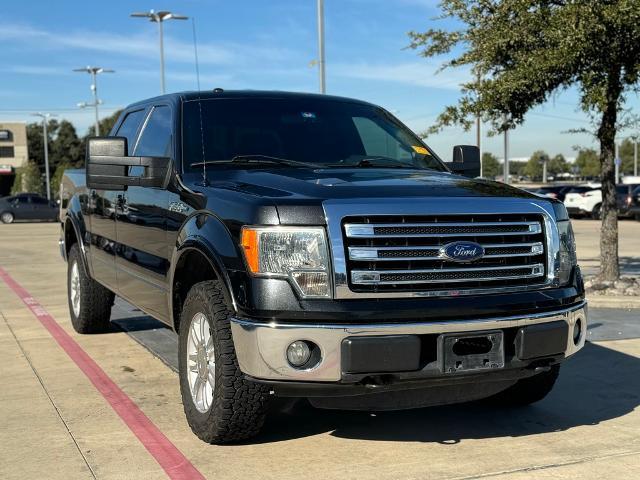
102,212
142,263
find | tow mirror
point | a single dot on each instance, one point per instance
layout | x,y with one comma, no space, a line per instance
108,166
466,160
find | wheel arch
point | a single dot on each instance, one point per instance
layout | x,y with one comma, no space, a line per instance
204,251
73,232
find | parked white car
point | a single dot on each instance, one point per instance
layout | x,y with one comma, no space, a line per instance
584,200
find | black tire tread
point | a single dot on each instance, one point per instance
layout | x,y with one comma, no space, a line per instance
239,406
528,390
95,300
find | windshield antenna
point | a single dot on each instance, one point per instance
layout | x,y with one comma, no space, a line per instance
204,163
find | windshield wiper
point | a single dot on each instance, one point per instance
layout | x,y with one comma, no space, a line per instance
259,158
372,162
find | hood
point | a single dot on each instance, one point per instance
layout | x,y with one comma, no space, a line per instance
335,183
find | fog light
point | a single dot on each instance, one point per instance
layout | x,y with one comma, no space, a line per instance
298,353
577,331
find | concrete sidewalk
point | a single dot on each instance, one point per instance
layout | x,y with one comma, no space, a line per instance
56,425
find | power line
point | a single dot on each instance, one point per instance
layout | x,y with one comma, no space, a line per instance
29,110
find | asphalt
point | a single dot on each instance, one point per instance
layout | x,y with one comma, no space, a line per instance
54,423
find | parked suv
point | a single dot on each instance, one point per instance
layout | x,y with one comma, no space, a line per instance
589,202
625,198
313,246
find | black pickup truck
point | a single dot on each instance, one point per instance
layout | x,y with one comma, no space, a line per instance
313,246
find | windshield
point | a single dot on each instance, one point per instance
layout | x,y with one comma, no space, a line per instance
314,131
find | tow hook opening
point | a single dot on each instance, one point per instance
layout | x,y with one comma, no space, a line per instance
472,346
577,331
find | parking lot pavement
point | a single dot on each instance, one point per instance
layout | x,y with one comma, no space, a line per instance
56,424
587,234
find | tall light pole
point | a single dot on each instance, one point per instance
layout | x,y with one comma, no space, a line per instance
321,62
159,18
479,127
635,155
617,162
94,71
45,137
506,151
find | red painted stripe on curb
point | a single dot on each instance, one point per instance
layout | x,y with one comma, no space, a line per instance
173,462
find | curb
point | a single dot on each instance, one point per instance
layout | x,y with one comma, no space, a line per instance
614,301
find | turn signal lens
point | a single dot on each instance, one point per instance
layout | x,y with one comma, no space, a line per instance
249,243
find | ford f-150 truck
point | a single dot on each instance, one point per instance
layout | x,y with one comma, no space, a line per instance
313,246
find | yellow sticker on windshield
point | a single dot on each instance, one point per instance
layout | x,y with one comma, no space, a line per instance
420,150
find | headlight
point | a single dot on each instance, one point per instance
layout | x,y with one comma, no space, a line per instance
568,258
297,253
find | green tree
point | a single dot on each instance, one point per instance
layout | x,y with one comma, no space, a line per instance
28,179
106,124
533,168
491,168
65,147
588,163
57,178
558,165
626,155
516,168
525,50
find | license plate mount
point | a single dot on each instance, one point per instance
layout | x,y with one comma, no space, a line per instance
469,352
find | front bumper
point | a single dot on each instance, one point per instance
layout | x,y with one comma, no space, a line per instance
261,347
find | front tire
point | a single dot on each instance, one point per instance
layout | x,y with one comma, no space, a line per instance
89,302
597,211
528,390
7,217
221,406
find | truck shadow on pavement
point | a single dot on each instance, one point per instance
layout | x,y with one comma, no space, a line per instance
599,384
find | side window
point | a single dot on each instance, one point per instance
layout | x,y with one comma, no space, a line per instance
155,140
23,200
39,201
378,142
129,127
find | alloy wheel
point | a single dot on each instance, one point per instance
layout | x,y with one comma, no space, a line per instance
201,363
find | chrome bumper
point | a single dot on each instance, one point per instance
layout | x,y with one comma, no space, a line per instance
261,347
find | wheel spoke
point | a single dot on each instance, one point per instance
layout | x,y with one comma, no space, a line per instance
200,355
209,347
203,324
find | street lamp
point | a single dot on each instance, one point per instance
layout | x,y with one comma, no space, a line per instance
94,71
321,62
45,118
159,18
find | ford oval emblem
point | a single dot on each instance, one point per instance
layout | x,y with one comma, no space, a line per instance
462,251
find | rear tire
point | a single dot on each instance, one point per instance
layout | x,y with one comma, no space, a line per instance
528,390
596,212
89,302
7,217
221,406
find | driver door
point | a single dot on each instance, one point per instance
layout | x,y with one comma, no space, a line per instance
142,262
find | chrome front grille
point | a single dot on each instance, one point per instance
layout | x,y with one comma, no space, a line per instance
403,253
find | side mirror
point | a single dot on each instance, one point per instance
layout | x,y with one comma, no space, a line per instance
107,166
466,160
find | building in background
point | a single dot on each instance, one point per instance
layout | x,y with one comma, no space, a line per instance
13,153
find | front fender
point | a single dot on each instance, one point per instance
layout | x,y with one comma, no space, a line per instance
207,234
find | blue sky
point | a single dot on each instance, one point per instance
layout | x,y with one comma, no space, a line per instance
256,44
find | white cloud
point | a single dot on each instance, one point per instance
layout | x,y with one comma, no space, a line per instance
420,74
141,44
